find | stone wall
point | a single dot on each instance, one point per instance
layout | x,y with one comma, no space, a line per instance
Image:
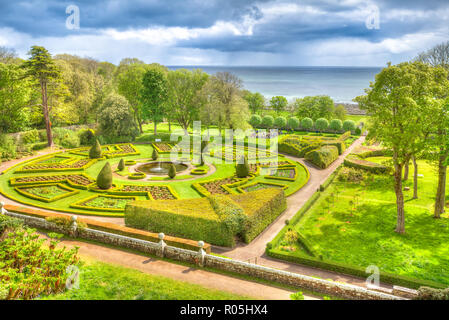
202,259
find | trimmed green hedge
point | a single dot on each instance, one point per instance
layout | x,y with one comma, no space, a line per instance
351,269
216,219
353,161
262,207
323,157
341,146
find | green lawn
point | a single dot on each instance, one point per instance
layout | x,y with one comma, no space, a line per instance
356,226
101,281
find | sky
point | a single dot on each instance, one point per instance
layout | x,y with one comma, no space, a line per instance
229,32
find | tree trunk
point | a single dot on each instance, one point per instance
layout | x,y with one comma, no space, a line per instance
169,125
406,169
415,178
46,114
155,127
400,226
440,198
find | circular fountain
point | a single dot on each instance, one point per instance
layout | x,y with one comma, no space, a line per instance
160,167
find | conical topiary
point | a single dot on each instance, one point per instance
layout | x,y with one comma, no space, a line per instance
95,151
104,179
242,168
155,155
121,165
172,171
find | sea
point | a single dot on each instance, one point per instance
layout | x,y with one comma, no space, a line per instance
342,84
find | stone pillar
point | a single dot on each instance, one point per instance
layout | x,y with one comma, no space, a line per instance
201,254
162,245
74,227
2,209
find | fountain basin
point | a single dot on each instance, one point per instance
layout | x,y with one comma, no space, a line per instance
160,168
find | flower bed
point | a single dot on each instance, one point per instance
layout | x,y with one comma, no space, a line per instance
288,174
46,192
104,203
159,192
162,147
130,162
75,180
216,186
260,186
70,164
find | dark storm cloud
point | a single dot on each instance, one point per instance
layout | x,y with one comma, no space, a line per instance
47,18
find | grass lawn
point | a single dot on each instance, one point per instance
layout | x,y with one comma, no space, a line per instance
101,281
354,223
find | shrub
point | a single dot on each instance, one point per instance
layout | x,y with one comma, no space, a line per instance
427,293
7,147
66,138
345,136
116,120
172,171
353,161
39,146
335,125
349,125
8,223
268,121
291,237
351,175
323,157
280,122
242,169
307,123
121,165
95,151
229,212
293,123
104,179
87,137
297,296
154,155
358,131
341,146
255,120
29,137
321,124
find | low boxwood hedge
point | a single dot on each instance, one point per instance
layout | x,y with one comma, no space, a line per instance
323,157
353,161
137,176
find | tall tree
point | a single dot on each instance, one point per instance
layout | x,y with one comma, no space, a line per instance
130,85
278,103
42,68
314,107
256,101
224,90
185,98
402,102
153,95
14,98
439,56
7,55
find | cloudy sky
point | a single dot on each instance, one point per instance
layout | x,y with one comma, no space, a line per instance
230,32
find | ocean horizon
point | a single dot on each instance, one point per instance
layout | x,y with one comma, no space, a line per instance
342,84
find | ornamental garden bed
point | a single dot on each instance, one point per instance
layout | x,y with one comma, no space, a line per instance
104,202
260,186
46,192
